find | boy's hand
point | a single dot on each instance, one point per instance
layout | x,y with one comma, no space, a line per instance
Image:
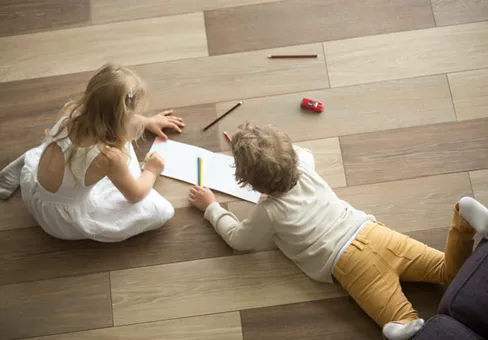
154,163
201,197
164,120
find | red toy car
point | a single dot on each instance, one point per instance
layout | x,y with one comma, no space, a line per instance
312,105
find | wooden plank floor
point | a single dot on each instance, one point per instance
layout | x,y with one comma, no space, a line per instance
451,12
256,26
470,94
407,54
403,136
25,16
103,11
436,149
130,43
55,306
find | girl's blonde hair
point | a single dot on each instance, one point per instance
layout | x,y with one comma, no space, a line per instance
112,97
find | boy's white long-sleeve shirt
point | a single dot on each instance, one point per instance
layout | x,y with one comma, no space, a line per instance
309,223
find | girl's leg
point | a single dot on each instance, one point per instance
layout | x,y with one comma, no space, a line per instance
434,266
375,285
10,178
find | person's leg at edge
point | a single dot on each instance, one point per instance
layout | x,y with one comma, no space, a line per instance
437,267
10,178
376,288
475,213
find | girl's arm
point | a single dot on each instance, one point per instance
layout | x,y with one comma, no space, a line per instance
134,190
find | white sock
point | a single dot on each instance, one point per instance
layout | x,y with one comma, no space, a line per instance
10,178
475,214
399,331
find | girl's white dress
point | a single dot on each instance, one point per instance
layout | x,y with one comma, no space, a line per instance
98,212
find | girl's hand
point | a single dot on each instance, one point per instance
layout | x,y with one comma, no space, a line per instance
154,163
164,120
201,197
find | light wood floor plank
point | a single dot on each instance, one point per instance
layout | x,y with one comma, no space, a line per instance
417,151
409,205
348,110
407,54
55,306
211,286
224,326
30,254
234,77
103,11
452,12
14,214
25,16
128,43
328,160
255,27
479,181
470,94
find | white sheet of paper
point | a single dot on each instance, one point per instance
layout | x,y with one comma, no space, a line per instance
218,172
180,160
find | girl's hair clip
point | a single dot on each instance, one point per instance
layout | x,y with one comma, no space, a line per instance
130,95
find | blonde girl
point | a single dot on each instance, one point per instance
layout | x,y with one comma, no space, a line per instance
84,181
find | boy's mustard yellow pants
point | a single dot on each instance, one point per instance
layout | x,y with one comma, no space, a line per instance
371,268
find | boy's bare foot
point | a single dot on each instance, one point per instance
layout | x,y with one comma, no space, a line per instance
10,178
475,214
201,197
399,331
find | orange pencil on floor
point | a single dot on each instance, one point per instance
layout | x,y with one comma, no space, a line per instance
227,137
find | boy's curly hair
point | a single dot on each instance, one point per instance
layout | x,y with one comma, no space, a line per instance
265,159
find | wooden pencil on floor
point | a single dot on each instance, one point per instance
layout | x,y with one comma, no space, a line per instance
293,56
225,114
